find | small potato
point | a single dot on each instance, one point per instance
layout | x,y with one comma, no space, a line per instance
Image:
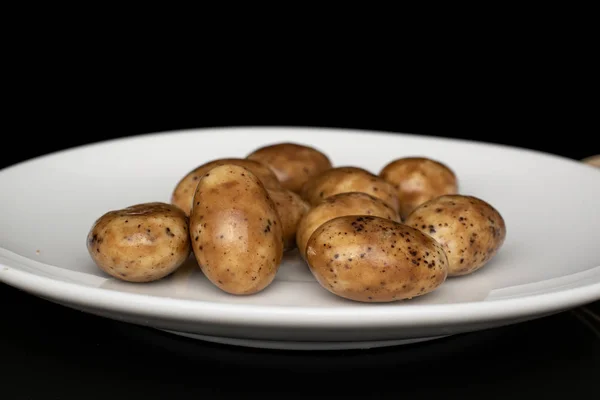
291,208
374,259
592,160
141,243
294,164
237,235
351,203
184,191
349,179
417,180
470,230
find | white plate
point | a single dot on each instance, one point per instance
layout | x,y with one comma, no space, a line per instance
550,260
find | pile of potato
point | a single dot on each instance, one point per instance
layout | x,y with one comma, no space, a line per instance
364,237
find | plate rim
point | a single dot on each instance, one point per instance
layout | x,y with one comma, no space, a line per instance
201,311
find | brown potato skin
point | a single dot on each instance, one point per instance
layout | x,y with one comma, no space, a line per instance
372,259
291,208
236,232
417,180
349,179
292,163
351,203
592,160
141,243
469,229
183,193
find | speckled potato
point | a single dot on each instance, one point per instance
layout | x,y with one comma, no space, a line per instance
236,232
292,163
372,259
339,205
469,229
141,243
417,180
349,179
291,208
184,190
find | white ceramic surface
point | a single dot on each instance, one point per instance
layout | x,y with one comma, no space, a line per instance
549,262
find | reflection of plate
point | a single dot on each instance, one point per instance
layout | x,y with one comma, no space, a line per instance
549,262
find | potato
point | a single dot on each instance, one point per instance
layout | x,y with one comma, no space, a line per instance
291,208
184,190
373,259
349,179
592,160
237,235
417,180
292,163
469,229
351,203
141,243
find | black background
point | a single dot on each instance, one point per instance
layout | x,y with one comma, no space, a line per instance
50,352
562,127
